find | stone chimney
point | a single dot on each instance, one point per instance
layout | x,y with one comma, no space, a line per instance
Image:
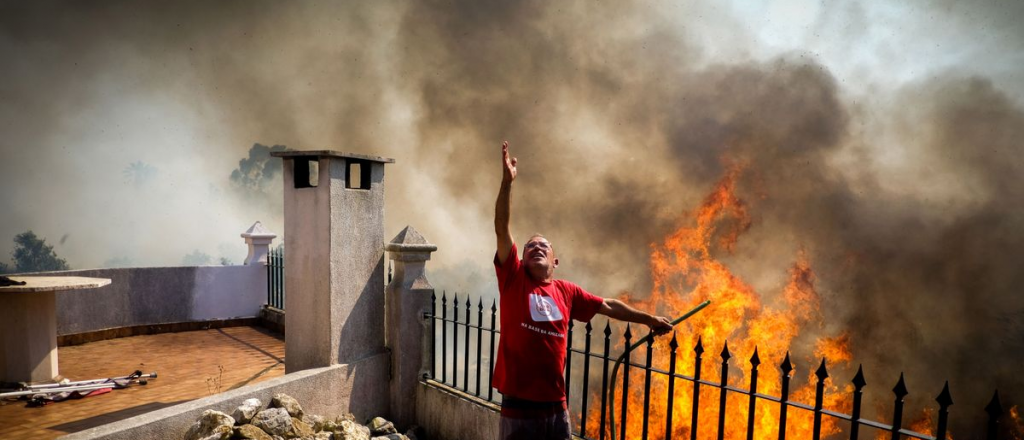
334,267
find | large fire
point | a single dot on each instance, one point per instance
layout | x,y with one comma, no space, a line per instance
685,273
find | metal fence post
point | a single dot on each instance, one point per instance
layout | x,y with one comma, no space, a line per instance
858,394
945,400
625,382
490,371
900,390
586,380
674,345
722,391
819,396
787,368
647,383
995,411
699,350
479,341
568,361
455,340
604,379
444,336
465,355
755,360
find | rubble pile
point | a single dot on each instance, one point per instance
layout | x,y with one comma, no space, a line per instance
285,419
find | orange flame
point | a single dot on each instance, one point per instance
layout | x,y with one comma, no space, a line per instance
924,424
1016,428
685,272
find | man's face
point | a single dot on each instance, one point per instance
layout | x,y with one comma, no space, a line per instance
539,257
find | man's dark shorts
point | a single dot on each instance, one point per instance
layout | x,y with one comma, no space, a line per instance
529,420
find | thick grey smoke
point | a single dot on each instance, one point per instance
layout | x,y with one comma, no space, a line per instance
903,195
915,256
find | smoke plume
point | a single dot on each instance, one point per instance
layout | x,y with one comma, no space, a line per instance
902,190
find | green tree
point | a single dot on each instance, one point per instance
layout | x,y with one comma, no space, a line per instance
256,172
32,254
196,258
121,261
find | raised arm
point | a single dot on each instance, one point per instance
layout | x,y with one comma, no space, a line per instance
614,308
503,207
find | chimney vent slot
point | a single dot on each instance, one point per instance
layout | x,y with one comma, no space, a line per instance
357,174
307,171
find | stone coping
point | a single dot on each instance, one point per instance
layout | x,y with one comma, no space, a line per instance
401,247
359,387
52,283
331,153
156,329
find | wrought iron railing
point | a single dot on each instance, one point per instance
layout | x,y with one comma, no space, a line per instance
456,373
439,324
275,278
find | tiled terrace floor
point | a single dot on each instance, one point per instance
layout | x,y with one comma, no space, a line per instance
188,365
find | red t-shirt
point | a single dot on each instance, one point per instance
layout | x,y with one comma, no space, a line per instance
534,326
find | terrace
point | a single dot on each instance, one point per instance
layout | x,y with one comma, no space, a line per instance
376,342
190,365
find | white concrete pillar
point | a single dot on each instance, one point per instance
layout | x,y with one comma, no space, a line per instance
334,267
258,238
28,337
408,299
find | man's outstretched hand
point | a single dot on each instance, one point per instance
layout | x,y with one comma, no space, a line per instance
509,164
660,325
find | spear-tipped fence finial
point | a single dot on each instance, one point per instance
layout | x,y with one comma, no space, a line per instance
819,396
945,400
858,380
900,390
858,395
787,366
995,411
822,371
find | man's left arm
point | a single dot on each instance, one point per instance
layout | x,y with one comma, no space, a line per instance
616,309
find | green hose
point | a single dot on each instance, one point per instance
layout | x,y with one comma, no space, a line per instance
611,395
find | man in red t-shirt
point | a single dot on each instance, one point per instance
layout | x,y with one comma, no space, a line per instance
535,314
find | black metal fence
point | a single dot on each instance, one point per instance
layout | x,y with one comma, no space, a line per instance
485,335
469,332
275,278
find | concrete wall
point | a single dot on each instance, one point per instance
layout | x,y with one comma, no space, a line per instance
161,295
327,391
447,414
